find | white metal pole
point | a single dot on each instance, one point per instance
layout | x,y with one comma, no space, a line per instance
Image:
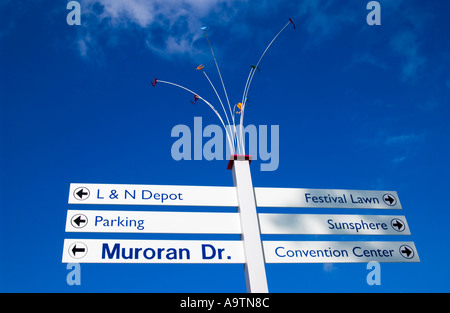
255,271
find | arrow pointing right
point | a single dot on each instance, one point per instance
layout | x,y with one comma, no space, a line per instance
398,224
406,252
389,199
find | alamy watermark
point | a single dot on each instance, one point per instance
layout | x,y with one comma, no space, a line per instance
74,276
74,16
374,276
210,143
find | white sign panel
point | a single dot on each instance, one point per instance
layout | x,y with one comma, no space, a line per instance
152,251
152,222
339,251
152,195
326,198
319,224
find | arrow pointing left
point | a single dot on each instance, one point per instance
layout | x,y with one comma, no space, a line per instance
77,250
79,221
81,193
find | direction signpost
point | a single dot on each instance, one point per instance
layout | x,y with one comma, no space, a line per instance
152,195
152,251
339,251
102,221
326,198
250,250
152,222
319,224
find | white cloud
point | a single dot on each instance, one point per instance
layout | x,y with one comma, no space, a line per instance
145,13
82,47
329,267
166,26
323,18
406,44
404,139
172,26
398,159
404,146
366,58
119,11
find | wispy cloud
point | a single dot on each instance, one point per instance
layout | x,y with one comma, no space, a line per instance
9,20
397,147
329,267
403,146
323,18
166,26
404,139
145,13
406,45
366,58
6,28
172,26
398,159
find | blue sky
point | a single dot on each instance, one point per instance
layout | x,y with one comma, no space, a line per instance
358,107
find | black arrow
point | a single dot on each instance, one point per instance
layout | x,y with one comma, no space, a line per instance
389,198
75,250
78,220
398,224
406,251
80,193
